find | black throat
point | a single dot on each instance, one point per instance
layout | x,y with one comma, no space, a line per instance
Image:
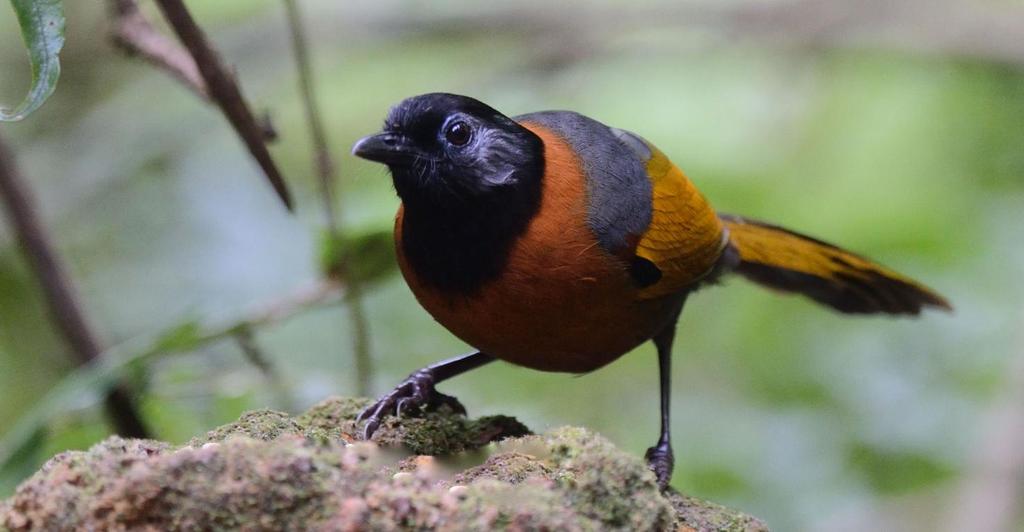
458,246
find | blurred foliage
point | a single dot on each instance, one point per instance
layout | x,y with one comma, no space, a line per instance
42,28
788,412
365,257
896,472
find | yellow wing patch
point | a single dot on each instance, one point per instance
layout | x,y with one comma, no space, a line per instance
685,237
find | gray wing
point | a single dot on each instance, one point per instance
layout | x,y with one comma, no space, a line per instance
618,189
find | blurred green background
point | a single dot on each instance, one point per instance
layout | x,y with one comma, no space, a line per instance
895,129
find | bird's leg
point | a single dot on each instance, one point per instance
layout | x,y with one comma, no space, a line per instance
659,457
418,390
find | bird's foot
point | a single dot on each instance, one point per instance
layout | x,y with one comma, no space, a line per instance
661,461
415,392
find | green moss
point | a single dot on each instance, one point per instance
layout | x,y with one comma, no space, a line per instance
264,425
444,433
431,433
529,505
272,471
513,467
702,515
606,484
332,419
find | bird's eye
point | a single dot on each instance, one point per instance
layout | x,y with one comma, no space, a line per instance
458,133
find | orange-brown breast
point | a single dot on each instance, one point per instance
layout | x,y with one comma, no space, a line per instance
562,303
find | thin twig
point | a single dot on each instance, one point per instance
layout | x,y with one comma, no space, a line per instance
131,32
360,338
326,171
316,294
224,91
246,340
247,343
325,167
58,291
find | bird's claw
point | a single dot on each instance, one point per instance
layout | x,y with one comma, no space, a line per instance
415,392
661,460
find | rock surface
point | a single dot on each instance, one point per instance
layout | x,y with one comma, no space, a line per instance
439,471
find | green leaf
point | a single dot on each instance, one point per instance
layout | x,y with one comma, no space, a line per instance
182,337
365,256
42,28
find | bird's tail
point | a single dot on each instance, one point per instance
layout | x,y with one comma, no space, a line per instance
782,259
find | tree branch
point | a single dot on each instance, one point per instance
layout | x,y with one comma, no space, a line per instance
224,91
58,291
132,33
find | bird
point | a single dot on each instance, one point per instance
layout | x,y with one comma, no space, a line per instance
553,241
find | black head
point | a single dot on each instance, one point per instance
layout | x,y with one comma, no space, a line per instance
470,181
453,149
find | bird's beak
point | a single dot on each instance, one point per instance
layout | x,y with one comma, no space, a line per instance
387,148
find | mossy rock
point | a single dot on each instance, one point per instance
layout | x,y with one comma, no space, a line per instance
438,471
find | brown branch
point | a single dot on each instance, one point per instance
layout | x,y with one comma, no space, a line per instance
326,171
132,33
224,91
58,290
